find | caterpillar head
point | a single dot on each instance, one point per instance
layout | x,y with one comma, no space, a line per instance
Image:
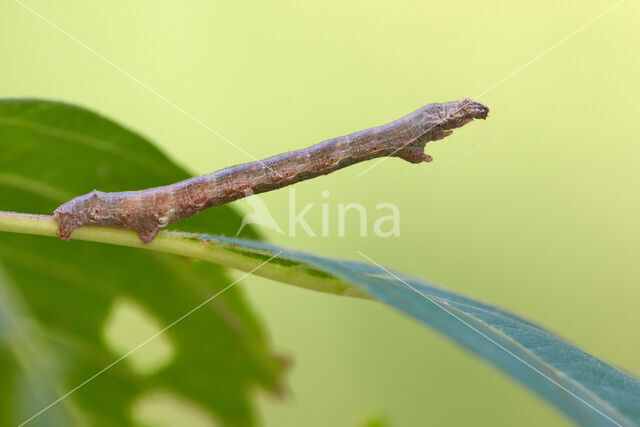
452,115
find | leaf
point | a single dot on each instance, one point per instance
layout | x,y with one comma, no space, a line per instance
586,389
55,297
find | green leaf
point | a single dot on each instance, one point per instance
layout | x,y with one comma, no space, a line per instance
55,297
586,389
65,286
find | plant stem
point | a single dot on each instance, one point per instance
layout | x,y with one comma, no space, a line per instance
185,244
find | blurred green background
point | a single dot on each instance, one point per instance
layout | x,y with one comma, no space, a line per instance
535,210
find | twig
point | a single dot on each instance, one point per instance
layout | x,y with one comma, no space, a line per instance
147,211
189,245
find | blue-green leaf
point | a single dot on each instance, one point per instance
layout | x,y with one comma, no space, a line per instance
586,389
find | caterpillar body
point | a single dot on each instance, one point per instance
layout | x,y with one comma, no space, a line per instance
146,211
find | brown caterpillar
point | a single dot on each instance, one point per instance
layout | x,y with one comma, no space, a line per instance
147,211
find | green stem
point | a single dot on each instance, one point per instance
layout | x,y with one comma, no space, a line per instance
185,244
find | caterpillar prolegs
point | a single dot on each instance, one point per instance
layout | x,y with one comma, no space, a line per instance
146,211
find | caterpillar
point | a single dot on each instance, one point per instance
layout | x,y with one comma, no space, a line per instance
146,211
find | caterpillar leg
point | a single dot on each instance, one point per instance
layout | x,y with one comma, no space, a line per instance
66,224
147,234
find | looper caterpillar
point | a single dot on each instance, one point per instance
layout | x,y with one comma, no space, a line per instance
146,211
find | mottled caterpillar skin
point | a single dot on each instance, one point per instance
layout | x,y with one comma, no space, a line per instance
147,211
